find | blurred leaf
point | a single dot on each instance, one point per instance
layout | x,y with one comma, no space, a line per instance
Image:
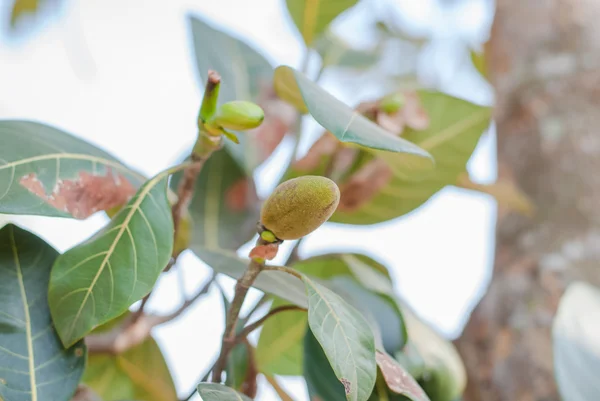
336,52
33,363
478,59
245,74
313,16
349,126
99,279
506,193
139,373
454,131
45,171
279,350
398,379
576,343
225,205
272,282
320,377
218,392
346,339
85,393
444,376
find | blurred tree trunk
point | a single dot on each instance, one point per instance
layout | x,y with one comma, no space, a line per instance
544,63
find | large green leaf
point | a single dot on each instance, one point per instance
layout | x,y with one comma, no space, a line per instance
454,131
218,392
398,379
444,376
404,157
279,350
346,339
99,279
280,284
320,378
139,373
362,282
245,74
224,208
33,363
576,338
313,16
41,166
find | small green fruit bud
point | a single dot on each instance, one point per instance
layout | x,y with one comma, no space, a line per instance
239,115
392,102
299,206
268,236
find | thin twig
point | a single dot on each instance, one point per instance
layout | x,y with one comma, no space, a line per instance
284,269
278,389
253,326
241,289
134,330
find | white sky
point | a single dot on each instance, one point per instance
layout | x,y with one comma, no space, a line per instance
120,73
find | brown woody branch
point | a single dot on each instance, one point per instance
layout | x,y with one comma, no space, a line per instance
136,328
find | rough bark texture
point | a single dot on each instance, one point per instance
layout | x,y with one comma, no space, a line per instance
544,61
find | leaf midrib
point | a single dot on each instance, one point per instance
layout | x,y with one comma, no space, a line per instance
31,359
453,130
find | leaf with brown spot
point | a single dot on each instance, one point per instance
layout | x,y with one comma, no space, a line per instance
398,379
85,195
45,171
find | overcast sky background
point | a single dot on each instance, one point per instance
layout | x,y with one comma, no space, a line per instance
120,74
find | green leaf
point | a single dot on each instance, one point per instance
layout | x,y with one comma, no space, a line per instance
346,339
398,379
20,8
279,350
245,74
280,284
99,279
139,373
313,16
64,171
349,126
320,377
336,52
454,131
225,205
218,392
576,343
358,279
33,363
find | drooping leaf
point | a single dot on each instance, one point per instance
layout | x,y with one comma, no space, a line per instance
224,208
219,392
99,279
139,373
346,339
320,378
453,133
362,282
279,350
479,61
280,284
33,363
245,75
576,343
313,16
349,126
444,376
336,52
398,379
45,171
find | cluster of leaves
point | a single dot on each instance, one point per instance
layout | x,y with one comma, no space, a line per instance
355,341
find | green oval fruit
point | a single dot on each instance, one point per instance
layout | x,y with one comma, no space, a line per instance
299,206
239,115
